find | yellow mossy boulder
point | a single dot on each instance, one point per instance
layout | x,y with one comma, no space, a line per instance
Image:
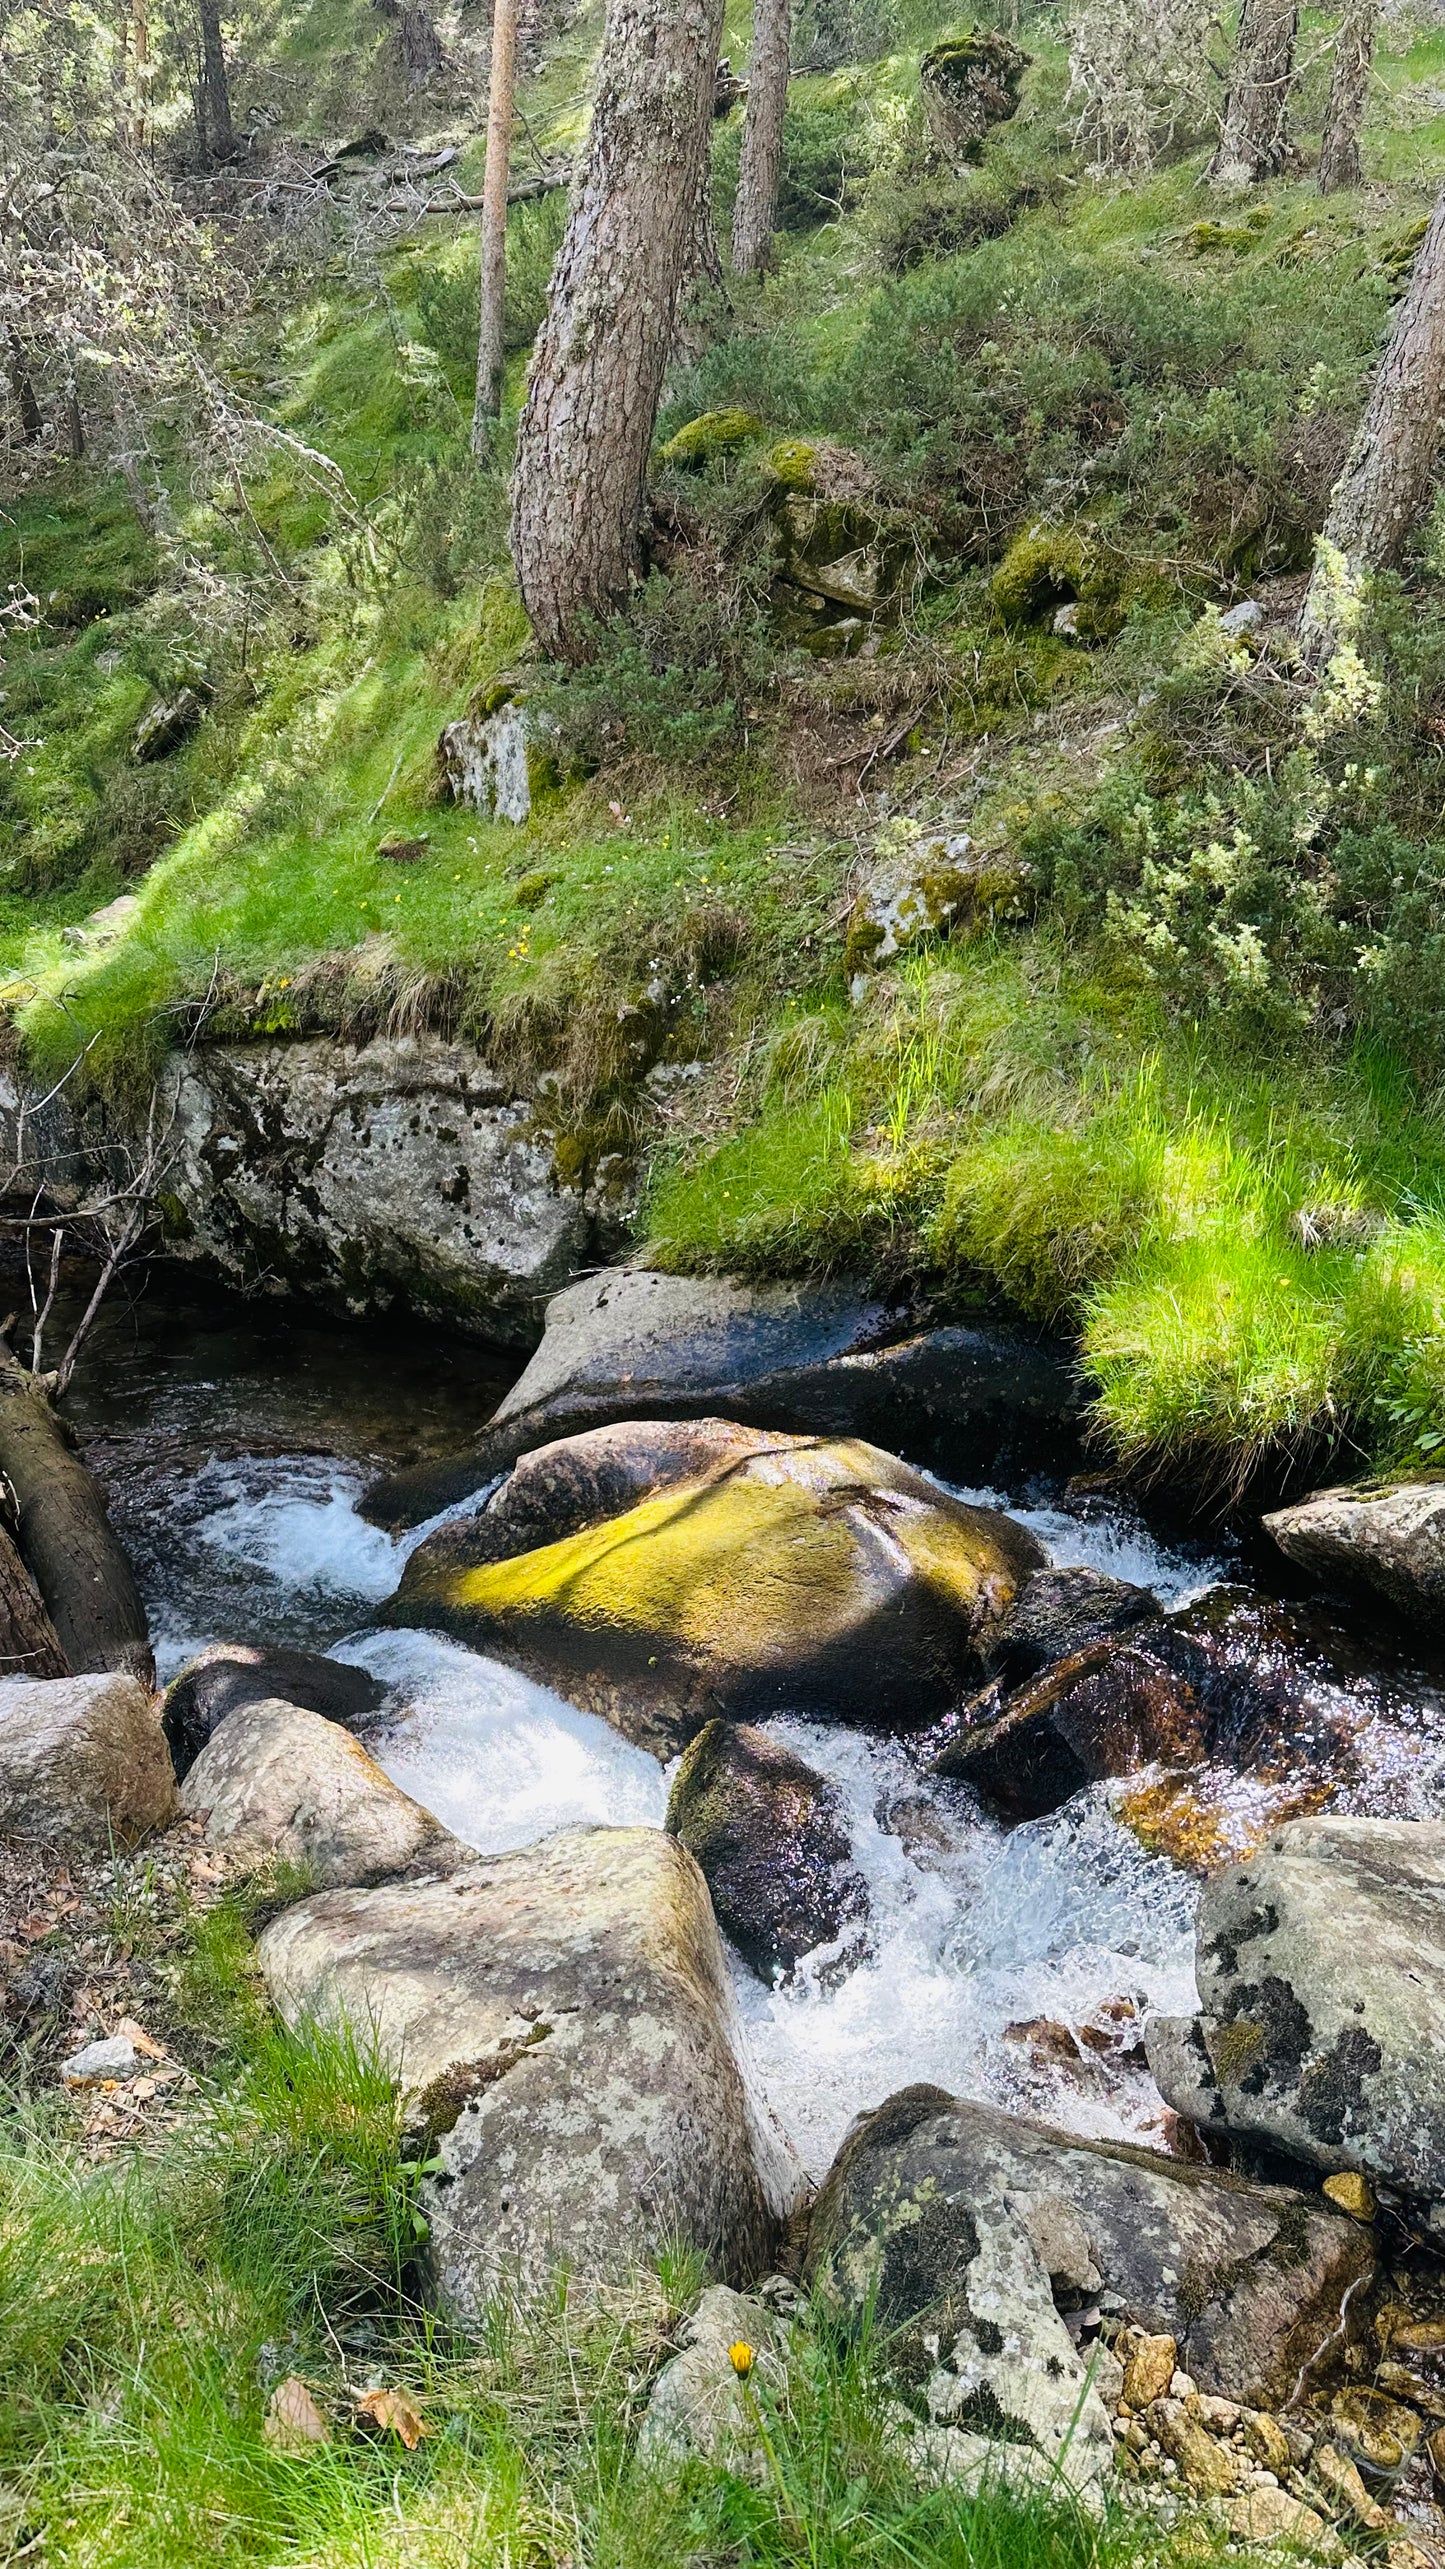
780,1573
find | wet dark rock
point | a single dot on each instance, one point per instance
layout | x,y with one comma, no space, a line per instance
779,1573
769,1835
1320,1961
232,1673
1060,1612
1233,1685
165,724
1104,1711
821,1358
1247,2279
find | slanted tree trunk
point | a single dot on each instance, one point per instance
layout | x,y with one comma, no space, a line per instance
1255,141
29,1646
1349,90
1385,487
215,88
491,349
755,210
603,348
65,1536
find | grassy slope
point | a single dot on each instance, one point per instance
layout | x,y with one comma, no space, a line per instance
1043,1113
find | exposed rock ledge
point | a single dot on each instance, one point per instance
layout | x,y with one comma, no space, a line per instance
398,1172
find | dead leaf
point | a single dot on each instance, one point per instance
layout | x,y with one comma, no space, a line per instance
143,2041
393,2409
293,2421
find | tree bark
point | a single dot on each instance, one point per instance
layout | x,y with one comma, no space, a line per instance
755,209
65,1537
215,88
1255,141
602,351
491,349
1349,90
1385,487
29,1646
32,423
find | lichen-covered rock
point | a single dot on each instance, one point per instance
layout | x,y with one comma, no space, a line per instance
786,1574
1321,2034
634,1343
1390,1542
701,2401
494,758
228,1674
562,2020
1053,566
165,724
769,1835
398,1172
1247,2279
276,1784
713,432
82,1759
928,888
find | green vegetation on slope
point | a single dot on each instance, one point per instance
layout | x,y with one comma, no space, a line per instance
1185,1100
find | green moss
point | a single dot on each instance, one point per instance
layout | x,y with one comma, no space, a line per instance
1050,567
716,432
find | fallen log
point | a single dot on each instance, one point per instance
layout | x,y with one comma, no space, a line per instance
29,1644
65,1537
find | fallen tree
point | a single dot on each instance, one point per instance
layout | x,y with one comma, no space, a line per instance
66,1539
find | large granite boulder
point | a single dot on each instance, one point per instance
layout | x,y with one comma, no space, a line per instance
400,1173
1388,1542
769,1835
229,1674
633,1343
779,1573
1321,2031
562,2020
276,1784
82,1759
932,2204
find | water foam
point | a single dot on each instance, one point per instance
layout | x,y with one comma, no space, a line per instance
502,1761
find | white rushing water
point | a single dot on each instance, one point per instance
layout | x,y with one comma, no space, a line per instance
974,1930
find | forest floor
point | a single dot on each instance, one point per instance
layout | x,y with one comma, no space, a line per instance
1175,1088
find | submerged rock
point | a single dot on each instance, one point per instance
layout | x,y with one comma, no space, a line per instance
822,1357
769,1835
932,2207
787,1573
562,2020
1059,1612
1321,2033
275,1784
82,1758
1101,1712
229,1674
1390,1542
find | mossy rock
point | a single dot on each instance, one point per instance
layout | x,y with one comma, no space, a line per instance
1210,237
1050,567
788,1572
715,432
1398,256
970,84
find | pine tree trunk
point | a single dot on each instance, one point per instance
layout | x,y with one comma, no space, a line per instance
1385,487
491,347
755,210
220,138
603,348
1349,89
1255,142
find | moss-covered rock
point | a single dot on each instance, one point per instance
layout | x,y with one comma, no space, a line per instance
786,1573
970,84
1056,566
768,1833
714,432
932,887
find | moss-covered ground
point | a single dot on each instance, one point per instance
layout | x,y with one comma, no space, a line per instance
1182,1097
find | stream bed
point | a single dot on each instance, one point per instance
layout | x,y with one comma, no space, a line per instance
235,1439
